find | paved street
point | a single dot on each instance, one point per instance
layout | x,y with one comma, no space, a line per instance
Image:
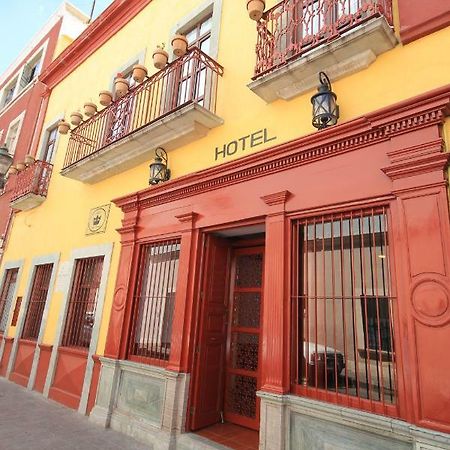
28,421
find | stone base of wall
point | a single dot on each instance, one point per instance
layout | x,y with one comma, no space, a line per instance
296,423
150,404
142,401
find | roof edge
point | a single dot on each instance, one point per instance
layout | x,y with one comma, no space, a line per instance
60,13
111,20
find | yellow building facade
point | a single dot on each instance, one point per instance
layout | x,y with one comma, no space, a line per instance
379,81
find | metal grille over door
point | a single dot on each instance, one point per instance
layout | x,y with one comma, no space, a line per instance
6,296
83,302
241,405
154,302
37,301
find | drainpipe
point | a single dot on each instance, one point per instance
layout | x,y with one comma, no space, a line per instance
45,96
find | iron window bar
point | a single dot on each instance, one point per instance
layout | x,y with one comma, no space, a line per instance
343,310
154,302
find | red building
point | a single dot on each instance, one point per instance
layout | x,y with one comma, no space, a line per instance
23,100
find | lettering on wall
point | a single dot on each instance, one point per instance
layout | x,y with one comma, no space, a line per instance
244,143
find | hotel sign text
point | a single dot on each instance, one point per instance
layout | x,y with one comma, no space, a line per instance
243,143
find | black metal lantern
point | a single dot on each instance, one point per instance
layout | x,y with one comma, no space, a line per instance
158,169
5,163
325,108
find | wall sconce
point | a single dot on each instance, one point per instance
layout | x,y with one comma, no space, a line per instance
325,108
5,163
158,169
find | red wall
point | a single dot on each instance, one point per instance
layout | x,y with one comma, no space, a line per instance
30,101
391,157
419,18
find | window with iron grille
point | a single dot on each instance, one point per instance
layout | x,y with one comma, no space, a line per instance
6,296
82,302
36,304
154,302
343,308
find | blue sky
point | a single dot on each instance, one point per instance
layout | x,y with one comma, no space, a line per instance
22,19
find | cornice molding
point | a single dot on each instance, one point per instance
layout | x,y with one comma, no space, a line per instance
425,110
189,217
277,198
115,17
417,160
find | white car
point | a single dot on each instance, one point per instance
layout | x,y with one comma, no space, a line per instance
314,355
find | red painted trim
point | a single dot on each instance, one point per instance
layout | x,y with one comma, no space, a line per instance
113,19
69,376
6,354
64,397
418,18
24,362
43,364
94,384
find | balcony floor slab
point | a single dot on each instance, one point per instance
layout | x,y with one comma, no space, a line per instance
27,201
355,50
186,125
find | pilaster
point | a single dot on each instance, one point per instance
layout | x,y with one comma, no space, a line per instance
178,360
421,247
123,295
275,320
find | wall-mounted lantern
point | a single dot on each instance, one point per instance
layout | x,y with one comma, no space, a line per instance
5,163
158,169
325,108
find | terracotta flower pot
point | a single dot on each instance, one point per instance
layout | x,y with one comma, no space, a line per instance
160,58
121,86
76,118
90,109
180,45
105,98
29,159
255,8
63,127
21,166
139,73
12,170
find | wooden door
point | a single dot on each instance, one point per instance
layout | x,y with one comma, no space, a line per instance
207,403
242,366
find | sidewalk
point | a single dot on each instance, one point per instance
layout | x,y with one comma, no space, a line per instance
28,421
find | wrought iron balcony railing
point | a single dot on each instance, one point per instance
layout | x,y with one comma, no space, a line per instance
192,78
293,27
33,180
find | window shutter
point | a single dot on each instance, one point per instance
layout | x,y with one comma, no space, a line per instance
25,79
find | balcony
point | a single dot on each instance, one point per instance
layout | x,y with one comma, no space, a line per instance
172,108
31,186
299,38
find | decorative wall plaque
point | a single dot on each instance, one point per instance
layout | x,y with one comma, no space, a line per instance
98,219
